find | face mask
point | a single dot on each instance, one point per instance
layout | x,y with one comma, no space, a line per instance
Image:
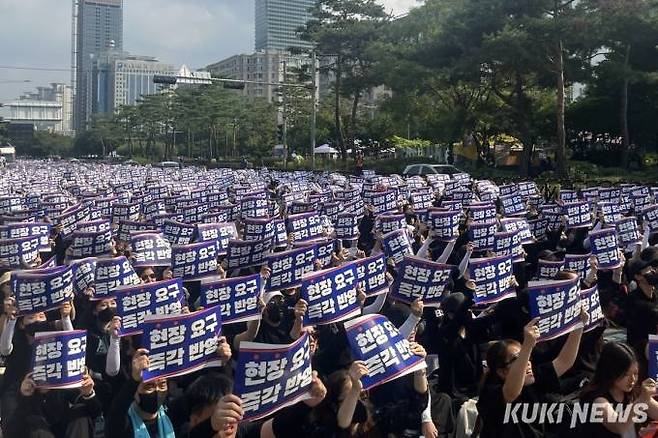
107,314
35,327
150,403
275,313
651,278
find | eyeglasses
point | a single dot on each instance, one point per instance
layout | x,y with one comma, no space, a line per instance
148,276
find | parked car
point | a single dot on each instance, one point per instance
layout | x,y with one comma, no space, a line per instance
170,164
429,169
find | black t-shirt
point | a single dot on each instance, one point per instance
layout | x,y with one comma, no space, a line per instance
269,334
640,316
598,430
491,405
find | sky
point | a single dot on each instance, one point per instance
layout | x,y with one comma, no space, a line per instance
37,33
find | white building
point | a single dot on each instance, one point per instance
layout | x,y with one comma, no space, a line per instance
49,108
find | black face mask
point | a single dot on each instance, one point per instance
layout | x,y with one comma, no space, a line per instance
651,278
107,314
275,313
150,403
35,327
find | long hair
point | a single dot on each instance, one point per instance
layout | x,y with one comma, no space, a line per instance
615,360
496,360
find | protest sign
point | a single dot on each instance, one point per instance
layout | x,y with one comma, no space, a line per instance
538,228
520,225
324,250
178,233
651,218
383,202
260,229
371,273
444,224
578,214
150,249
236,297
653,357
347,227
94,244
421,279
509,243
22,230
612,211
628,232
493,279
482,234
127,228
245,254
194,260
287,268
271,377
254,207
605,247
70,218
58,359
135,303
220,233
304,226
396,244
512,205
331,295
181,344
557,304
385,223
485,211
84,272
17,253
388,356
280,239
547,269
591,303
112,273
578,263
422,199
42,290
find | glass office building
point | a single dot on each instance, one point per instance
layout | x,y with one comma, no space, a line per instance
277,22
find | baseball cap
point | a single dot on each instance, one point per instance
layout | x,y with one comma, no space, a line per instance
648,257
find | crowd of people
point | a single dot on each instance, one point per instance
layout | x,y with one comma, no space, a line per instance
480,361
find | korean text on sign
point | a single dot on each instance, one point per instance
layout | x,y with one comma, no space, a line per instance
557,304
331,295
493,279
421,279
236,297
58,359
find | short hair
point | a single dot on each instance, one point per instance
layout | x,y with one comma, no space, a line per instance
206,391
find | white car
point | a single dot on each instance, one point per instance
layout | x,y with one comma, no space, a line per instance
430,169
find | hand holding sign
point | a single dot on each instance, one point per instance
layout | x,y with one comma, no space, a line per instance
531,333
140,363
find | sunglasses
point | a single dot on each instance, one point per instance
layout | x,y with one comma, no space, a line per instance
148,276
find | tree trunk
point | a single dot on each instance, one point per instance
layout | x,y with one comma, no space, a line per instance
623,112
340,137
522,110
352,126
561,149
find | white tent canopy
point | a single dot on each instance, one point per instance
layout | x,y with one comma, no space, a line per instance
325,149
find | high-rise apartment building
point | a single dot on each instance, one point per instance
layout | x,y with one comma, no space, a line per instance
277,22
49,108
97,26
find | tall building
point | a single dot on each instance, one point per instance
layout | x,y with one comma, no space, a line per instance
97,26
49,108
120,78
259,67
277,22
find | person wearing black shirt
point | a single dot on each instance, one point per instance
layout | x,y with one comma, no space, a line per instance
513,378
642,303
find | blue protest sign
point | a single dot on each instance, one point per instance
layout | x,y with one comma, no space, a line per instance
484,211
578,214
58,359
592,305
16,253
493,279
385,223
135,303
84,272
70,217
445,224
421,279
126,211
354,206
127,228
512,205
254,207
304,226
520,225
220,233
288,268
324,249
93,244
482,234
42,290
150,249
271,377
422,198
509,243
195,260
245,254
538,228
178,233
181,344
280,233
653,357
375,340
568,195
651,217
612,211
609,194
578,263
547,270
112,273
22,230
605,247
347,227
94,226
557,304
236,298
628,231
331,295
396,244
261,229
371,273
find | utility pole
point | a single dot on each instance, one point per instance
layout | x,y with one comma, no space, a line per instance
314,112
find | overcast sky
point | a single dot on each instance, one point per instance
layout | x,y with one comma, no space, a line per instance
37,33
